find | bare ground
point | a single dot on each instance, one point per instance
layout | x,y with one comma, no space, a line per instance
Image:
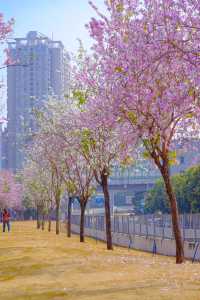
40,265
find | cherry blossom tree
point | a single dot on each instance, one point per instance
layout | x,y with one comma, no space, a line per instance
45,152
10,191
82,177
102,147
6,29
148,56
33,196
103,143
37,190
72,195
77,175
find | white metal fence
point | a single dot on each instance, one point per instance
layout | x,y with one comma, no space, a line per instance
152,226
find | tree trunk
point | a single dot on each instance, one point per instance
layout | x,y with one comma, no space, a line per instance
104,178
69,217
49,221
175,215
57,218
49,225
43,222
38,218
82,222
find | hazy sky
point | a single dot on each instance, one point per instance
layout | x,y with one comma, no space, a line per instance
64,18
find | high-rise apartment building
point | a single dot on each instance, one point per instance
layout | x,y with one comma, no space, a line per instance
40,71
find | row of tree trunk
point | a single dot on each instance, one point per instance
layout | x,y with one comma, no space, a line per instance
42,218
104,183
82,216
174,212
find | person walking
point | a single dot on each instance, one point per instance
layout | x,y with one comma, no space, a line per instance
6,220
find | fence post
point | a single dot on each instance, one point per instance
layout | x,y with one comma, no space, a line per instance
154,229
163,227
118,224
195,232
128,224
147,232
122,224
96,224
134,225
195,252
172,232
154,249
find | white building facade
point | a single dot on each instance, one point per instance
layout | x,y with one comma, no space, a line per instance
39,72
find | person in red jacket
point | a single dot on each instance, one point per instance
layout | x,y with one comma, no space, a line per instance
6,220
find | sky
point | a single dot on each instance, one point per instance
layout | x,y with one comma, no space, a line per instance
62,19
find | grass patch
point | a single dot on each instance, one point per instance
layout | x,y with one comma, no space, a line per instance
12,270
38,265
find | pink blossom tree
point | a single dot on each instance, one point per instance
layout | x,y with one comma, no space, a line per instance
103,143
37,191
59,121
81,178
148,55
102,146
45,153
6,29
10,191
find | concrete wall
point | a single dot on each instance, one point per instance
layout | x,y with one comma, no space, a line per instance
163,246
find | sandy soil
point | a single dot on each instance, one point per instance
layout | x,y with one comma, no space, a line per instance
40,265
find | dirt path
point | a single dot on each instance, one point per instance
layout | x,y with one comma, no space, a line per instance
40,265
